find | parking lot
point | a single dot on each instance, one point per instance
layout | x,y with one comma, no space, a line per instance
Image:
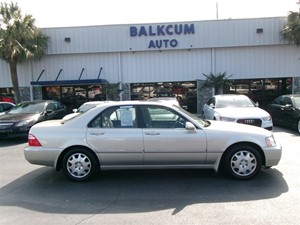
32,194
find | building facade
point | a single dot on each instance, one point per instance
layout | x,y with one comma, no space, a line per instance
139,61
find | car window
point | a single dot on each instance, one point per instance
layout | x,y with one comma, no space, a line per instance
116,117
50,107
6,106
211,101
287,101
278,101
59,105
161,117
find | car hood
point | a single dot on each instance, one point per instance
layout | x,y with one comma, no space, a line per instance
17,117
242,112
237,128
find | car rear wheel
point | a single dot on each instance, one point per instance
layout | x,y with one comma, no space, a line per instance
242,162
79,164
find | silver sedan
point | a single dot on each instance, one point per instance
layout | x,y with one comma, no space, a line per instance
149,135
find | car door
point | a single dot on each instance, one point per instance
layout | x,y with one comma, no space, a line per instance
115,136
167,142
288,112
277,110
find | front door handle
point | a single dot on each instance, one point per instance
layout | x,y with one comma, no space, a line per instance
96,133
153,133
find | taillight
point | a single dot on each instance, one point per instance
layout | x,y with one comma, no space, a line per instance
33,141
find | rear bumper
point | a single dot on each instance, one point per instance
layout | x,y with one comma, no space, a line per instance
40,156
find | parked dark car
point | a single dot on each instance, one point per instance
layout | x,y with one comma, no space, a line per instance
5,106
23,116
285,111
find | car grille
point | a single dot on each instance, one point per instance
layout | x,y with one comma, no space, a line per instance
254,122
5,125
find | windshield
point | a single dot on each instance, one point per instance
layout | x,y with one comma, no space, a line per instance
28,108
85,107
194,117
234,101
297,102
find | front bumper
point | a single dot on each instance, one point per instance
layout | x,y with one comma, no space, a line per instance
13,133
272,155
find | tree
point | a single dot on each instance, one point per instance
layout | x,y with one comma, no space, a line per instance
110,90
291,31
218,81
20,40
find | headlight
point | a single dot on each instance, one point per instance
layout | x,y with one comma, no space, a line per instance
270,141
227,119
24,123
267,118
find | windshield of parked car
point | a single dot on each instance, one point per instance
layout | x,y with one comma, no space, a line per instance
28,108
297,102
234,101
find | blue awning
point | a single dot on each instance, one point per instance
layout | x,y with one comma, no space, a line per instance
68,82
57,82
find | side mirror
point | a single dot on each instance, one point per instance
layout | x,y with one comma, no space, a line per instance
256,104
288,106
49,111
74,110
184,107
212,105
189,126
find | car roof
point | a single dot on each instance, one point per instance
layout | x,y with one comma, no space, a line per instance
7,103
94,102
37,101
132,102
291,95
230,96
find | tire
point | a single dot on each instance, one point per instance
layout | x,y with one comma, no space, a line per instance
298,126
79,164
242,162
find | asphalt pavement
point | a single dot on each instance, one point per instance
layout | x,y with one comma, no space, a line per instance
31,194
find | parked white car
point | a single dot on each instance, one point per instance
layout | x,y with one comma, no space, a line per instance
236,108
83,108
149,135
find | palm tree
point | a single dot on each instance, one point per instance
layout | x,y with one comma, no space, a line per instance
218,81
291,31
20,40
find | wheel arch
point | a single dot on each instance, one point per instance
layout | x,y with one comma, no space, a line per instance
64,152
257,147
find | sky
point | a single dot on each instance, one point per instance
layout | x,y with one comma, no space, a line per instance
70,13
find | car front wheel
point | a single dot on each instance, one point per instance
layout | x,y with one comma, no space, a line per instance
79,164
242,162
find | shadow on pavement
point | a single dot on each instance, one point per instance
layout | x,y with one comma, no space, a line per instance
112,192
7,142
